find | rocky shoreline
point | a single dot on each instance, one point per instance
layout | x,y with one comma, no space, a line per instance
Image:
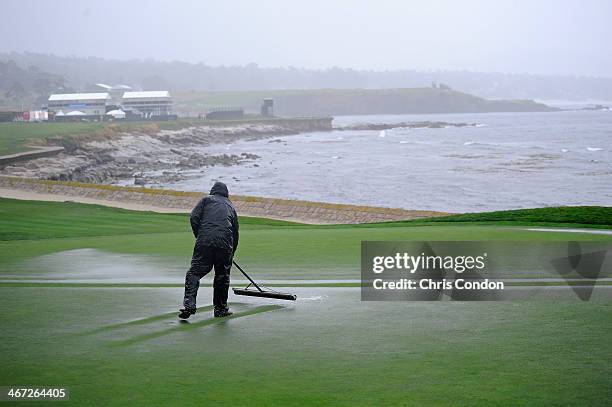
112,157
151,157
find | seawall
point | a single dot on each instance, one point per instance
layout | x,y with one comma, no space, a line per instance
161,200
38,152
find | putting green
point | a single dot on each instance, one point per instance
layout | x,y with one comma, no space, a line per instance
124,346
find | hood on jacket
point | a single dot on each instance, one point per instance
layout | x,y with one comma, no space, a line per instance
219,189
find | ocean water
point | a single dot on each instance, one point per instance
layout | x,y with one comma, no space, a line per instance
507,161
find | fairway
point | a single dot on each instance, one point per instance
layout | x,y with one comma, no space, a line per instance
82,310
16,137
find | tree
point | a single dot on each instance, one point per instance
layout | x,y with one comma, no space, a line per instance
16,92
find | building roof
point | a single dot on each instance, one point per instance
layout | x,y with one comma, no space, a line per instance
147,94
78,96
113,87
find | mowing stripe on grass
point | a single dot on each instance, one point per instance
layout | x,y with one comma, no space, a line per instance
186,325
137,322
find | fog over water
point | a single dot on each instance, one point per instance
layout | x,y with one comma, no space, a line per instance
544,36
509,161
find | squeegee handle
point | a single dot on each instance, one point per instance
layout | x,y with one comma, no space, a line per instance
247,276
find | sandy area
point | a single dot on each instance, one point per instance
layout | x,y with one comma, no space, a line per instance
168,201
35,196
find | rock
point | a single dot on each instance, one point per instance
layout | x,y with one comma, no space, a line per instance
409,125
110,157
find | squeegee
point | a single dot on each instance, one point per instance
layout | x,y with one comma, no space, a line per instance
259,292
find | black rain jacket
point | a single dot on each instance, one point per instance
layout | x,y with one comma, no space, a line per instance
214,220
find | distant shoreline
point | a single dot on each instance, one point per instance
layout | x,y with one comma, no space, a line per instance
339,102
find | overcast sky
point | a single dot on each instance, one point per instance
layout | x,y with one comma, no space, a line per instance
534,36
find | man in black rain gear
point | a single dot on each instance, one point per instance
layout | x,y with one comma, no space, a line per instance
215,226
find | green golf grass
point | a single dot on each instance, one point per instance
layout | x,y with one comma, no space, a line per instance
272,249
122,344
15,137
125,347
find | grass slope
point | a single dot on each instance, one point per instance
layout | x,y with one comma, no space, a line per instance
15,137
575,215
32,220
273,249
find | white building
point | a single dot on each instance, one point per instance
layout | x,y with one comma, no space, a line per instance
149,103
91,104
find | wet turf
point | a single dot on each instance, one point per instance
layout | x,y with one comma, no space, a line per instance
125,346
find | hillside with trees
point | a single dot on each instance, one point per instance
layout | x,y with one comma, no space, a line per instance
25,86
82,73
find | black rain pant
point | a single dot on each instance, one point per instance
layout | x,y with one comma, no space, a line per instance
203,260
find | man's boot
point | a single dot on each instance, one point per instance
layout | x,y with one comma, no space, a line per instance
186,313
222,311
